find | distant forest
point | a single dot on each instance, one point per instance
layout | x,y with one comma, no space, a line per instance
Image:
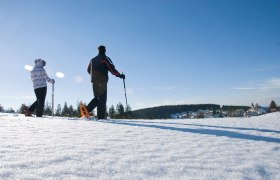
121,112
164,112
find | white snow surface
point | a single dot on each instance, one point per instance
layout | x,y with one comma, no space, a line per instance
61,148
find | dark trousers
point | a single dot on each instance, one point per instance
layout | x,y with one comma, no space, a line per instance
40,102
99,100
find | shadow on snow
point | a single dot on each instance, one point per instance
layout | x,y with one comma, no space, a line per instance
211,126
213,132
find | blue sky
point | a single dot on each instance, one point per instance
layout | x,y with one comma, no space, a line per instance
172,51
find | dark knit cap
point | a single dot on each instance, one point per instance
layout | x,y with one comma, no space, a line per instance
101,48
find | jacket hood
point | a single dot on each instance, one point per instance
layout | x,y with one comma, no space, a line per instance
39,63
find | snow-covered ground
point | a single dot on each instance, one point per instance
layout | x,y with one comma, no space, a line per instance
226,148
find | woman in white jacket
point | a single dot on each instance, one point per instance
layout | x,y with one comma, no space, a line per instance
40,79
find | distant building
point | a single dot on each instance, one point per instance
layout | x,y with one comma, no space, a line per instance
239,113
255,111
183,115
205,114
220,113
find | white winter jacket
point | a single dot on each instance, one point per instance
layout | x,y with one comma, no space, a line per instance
39,75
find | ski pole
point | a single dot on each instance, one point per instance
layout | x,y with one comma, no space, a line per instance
125,93
52,99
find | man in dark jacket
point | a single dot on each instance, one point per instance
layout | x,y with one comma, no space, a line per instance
98,69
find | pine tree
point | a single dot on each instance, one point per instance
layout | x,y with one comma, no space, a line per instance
1,108
47,109
272,106
65,110
120,110
112,112
71,111
10,110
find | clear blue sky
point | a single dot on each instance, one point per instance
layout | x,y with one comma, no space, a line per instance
172,51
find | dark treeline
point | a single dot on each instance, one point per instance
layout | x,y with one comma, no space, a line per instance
163,112
10,110
69,111
234,108
121,112
66,110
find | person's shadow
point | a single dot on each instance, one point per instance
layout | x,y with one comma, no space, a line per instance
204,131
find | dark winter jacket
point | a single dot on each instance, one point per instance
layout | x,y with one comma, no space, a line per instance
99,66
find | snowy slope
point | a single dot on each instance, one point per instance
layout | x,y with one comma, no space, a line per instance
227,148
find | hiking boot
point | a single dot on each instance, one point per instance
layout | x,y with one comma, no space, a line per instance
28,113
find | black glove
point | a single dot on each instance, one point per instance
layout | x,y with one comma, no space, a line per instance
122,76
53,81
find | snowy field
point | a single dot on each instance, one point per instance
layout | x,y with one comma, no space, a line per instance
226,148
